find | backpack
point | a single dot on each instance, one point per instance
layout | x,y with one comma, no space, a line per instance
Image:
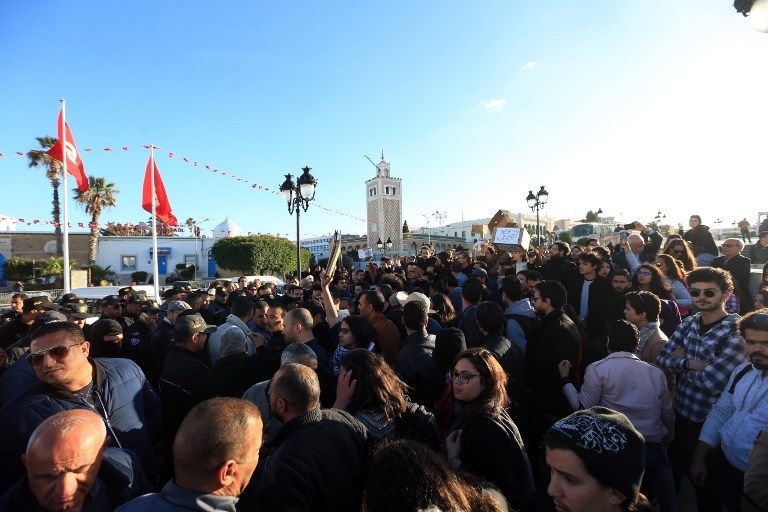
417,424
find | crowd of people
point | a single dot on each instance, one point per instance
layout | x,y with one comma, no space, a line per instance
556,378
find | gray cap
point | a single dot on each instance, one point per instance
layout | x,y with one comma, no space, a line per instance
178,305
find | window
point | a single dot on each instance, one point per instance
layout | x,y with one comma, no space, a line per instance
387,192
463,234
190,259
128,263
393,191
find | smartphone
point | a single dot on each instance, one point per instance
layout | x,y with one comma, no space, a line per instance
623,235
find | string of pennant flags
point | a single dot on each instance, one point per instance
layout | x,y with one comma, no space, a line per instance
186,160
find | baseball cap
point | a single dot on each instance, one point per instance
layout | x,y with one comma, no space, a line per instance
479,272
421,298
126,290
40,302
112,300
134,298
149,306
188,325
398,299
178,305
76,310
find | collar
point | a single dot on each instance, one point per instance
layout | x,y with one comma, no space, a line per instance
99,377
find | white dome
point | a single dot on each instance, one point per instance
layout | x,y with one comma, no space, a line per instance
227,229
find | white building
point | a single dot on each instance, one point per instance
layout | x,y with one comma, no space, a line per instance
128,254
7,223
384,201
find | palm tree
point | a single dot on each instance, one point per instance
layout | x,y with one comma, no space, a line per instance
100,196
39,158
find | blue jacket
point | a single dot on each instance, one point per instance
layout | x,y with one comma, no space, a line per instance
132,415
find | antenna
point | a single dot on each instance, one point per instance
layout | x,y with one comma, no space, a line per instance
376,166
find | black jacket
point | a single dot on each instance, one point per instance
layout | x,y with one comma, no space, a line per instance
556,339
700,240
301,473
414,364
512,360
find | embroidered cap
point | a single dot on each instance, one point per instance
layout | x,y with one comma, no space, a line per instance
612,450
188,325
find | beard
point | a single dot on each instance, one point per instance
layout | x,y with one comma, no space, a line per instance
759,361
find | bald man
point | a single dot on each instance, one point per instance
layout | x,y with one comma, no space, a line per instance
65,458
215,453
638,248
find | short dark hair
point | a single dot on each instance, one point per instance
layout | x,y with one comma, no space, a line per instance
375,299
511,287
719,276
591,258
757,320
554,291
75,332
622,336
241,306
472,290
645,302
414,314
490,317
563,246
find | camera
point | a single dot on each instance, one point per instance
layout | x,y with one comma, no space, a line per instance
631,225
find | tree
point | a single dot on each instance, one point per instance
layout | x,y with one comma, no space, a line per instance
53,267
39,158
100,196
257,254
592,217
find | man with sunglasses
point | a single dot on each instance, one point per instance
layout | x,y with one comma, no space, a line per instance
116,389
702,352
740,268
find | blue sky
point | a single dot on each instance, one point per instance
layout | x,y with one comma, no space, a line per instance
626,105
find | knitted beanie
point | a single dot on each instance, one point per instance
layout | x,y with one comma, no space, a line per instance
612,450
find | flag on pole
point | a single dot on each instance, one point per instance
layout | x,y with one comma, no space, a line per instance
74,162
162,205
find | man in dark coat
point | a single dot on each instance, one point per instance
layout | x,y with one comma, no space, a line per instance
298,472
740,268
414,362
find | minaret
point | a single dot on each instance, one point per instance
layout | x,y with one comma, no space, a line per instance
384,199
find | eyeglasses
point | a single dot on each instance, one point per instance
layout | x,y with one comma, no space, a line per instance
644,273
344,331
462,377
58,352
730,245
709,292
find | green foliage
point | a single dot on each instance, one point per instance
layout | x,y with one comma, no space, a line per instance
566,237
581,242
140,276
258,254
352,255
18,269
592,217
99,273
188,272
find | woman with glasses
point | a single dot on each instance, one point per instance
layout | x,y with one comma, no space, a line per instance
674,276
679,250
355,332
649,278
483,439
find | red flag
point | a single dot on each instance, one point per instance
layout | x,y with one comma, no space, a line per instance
162,205
74,162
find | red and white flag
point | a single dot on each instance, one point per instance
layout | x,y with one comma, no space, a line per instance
162,205
74,162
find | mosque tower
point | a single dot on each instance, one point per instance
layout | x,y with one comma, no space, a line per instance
384,196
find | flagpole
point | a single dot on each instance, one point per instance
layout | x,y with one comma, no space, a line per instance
154,223
65,235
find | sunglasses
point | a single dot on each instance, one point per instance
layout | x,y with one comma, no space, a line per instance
58,352
695,292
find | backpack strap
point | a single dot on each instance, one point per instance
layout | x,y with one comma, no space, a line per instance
738,377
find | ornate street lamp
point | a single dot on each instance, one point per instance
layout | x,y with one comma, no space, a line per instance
536,203
298,198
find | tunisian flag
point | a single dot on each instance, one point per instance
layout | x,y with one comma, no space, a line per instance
162,205
74,162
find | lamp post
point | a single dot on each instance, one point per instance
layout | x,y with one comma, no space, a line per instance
384,246
298,198
719,231
536,203
599,212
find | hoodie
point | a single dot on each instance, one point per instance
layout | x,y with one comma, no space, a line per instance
514,331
